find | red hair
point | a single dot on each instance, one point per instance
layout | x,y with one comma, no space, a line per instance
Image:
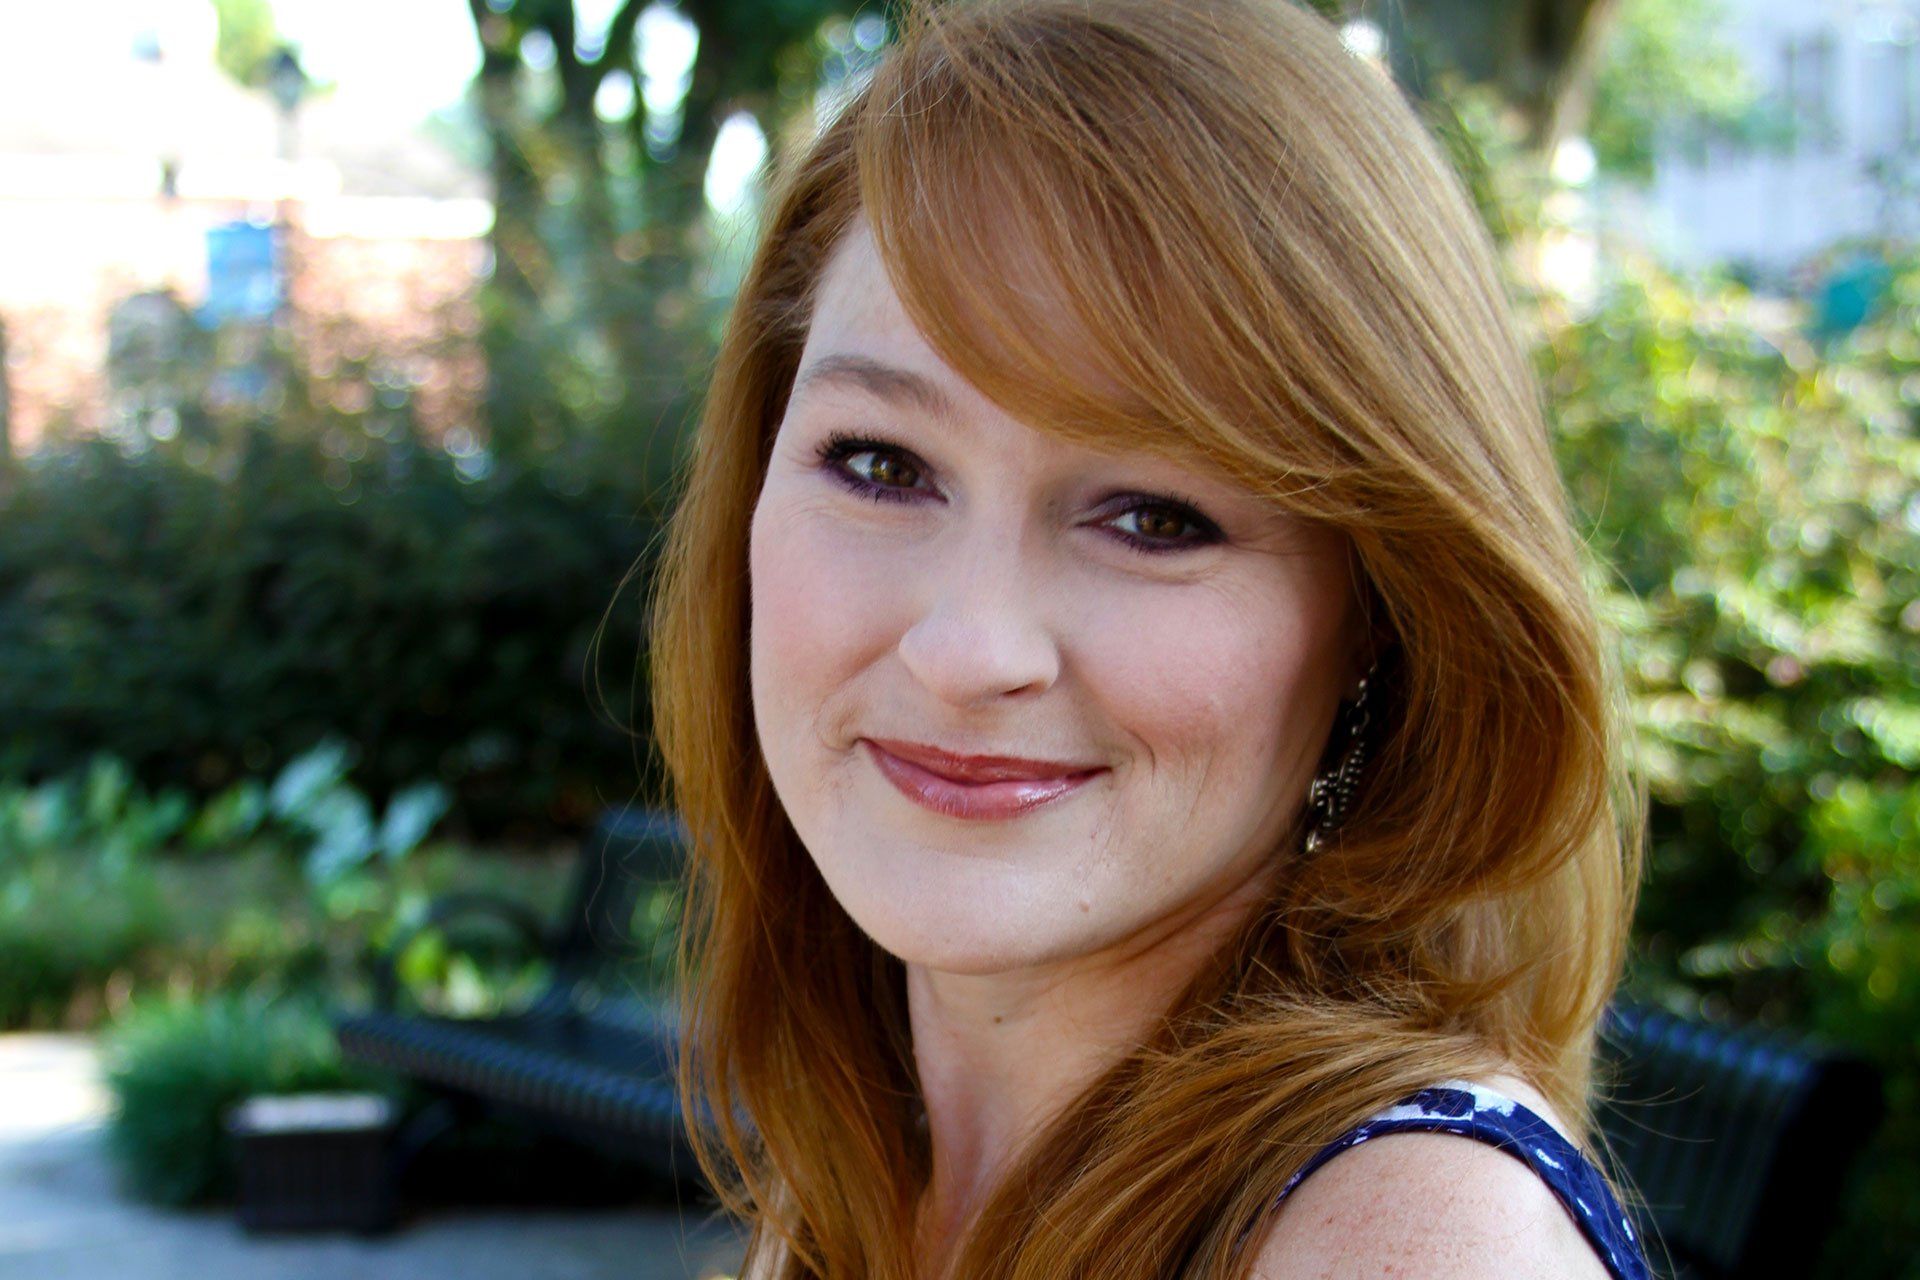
1259,261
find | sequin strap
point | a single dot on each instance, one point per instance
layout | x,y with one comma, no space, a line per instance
1473,1111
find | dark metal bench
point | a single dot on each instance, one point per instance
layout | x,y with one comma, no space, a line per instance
590,1059
1736,1140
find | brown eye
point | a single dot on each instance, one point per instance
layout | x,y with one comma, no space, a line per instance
1165,526
887,470
871,468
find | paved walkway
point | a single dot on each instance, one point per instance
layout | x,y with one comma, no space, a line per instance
61,1219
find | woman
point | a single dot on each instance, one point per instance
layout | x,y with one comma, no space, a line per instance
1125,668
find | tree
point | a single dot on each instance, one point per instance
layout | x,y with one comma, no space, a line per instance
1667,65
594,309
1616,70
595,312
247,40
1538,54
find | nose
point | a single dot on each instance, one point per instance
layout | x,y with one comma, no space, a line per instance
982,633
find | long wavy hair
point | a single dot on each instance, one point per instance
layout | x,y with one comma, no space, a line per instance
1201,227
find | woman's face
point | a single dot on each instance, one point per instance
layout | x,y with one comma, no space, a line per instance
930,573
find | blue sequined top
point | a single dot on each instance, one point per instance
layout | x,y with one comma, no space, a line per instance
1474,1111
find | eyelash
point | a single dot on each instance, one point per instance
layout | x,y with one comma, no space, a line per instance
840,446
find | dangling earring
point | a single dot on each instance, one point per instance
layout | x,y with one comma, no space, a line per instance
1332,789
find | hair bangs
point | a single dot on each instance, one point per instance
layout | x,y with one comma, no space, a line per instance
1048,251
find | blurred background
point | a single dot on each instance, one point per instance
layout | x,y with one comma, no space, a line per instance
347,352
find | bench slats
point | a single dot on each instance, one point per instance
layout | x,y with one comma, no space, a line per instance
609,1080
1737,1140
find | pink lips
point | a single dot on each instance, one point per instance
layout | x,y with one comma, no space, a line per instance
978,787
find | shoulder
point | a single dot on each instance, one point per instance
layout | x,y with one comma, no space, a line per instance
1428,1204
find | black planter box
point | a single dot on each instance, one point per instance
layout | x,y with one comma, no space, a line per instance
315,1162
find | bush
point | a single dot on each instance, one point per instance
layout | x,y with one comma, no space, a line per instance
175,1067
1748,479
84,906
206,618
1757,498
294,883
67,925
78,901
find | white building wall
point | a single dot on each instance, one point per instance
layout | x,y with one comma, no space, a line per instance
1847,72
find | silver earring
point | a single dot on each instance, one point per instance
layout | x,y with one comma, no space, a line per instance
1332,789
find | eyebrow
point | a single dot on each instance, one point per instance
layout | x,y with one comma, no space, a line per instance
885,381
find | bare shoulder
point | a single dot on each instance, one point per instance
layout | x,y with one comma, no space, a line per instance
1428,1204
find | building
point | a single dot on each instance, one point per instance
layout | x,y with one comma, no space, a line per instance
1840,79
131,170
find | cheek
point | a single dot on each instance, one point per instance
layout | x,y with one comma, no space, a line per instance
1221,694
817,617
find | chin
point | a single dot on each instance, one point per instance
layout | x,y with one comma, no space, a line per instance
962,913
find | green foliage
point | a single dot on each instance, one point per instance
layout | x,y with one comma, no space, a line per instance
229,818
78,902
101,806
107,891
67,925
1748,480
1757,500
176,1067
247,40
607,294
212,616
312,794
220,963
1667,65
245,947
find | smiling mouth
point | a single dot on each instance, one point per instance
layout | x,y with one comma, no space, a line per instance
987,799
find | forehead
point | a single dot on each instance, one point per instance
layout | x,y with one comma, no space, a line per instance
862,336
855,304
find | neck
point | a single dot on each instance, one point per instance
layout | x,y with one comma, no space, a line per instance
1001,1056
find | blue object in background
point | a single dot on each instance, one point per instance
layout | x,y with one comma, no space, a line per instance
243,273
1849,294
